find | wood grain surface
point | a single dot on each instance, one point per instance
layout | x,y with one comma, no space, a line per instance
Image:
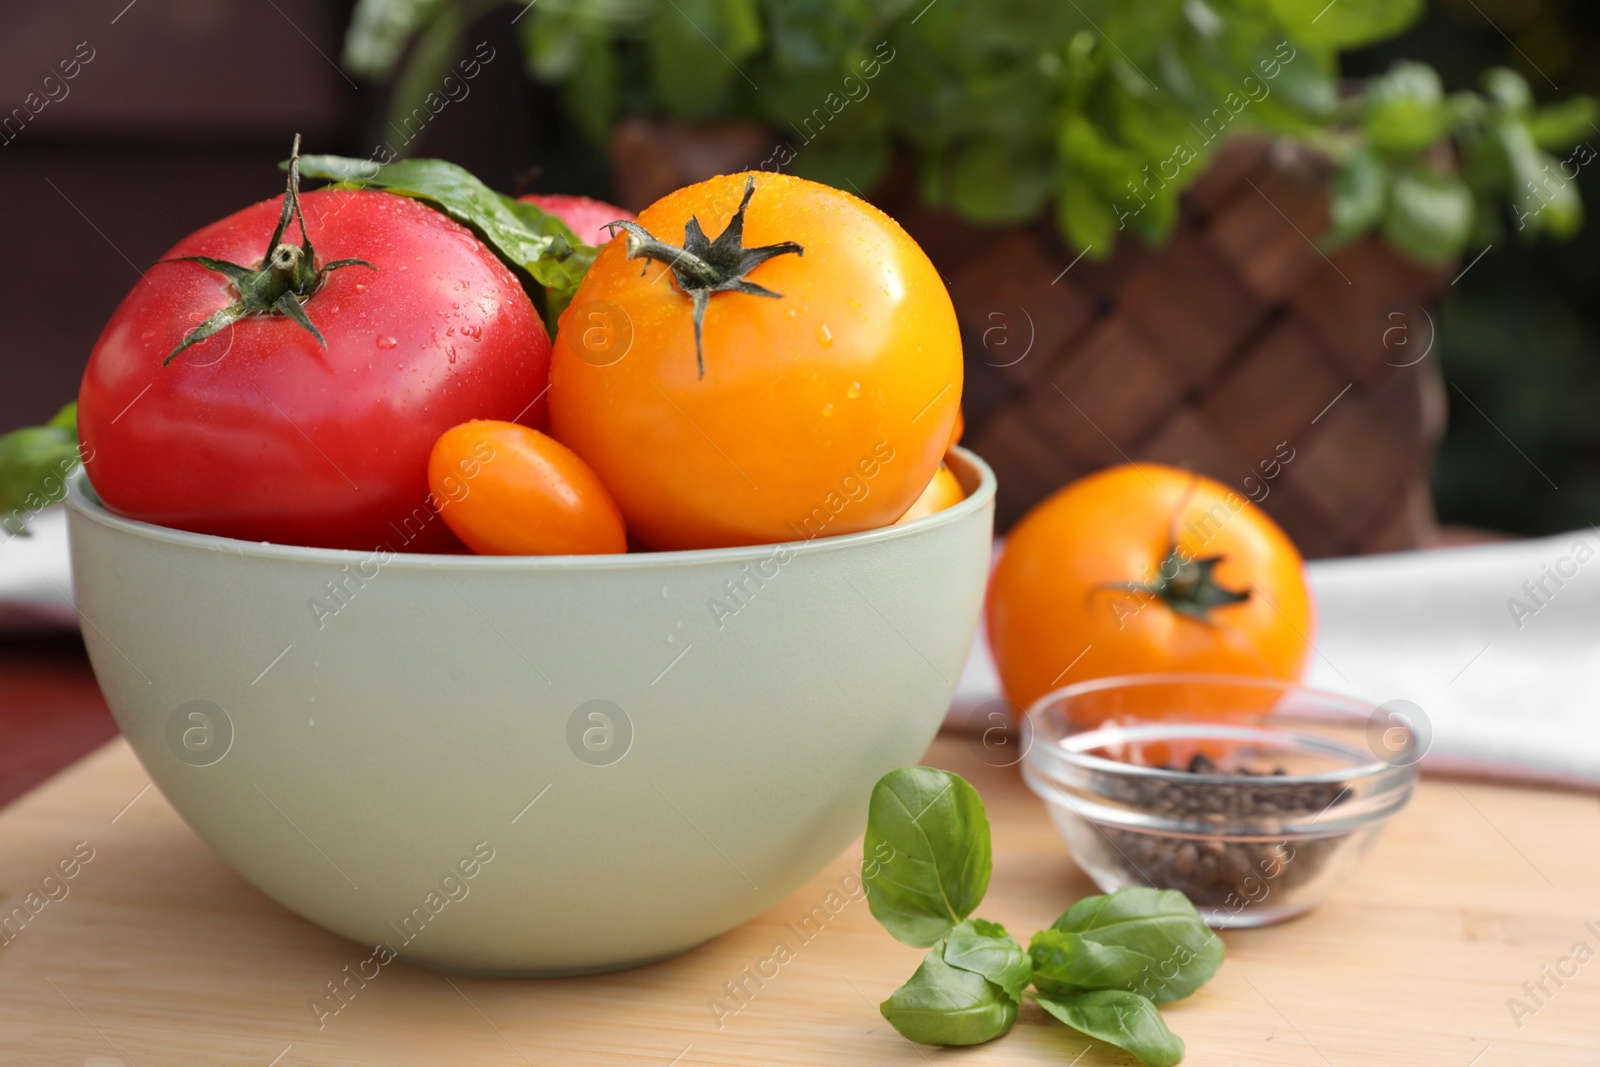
158,954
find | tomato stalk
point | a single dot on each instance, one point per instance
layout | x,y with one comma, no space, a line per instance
703,266
285,278
1185,584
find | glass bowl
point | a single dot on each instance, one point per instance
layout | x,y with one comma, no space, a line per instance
1253,797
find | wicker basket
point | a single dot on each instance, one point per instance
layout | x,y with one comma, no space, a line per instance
1237,349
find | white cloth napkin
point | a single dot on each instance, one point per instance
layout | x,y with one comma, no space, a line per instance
1509,692
36,576
1499,645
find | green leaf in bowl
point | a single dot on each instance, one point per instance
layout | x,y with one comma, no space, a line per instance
537,246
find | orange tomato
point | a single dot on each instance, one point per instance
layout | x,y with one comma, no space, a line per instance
943,491
831,379
507,490
1143,568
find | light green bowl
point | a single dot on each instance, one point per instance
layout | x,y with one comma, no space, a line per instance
525,765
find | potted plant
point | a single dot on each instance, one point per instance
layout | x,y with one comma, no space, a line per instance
1171,231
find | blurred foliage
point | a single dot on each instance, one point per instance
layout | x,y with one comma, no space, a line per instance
1100,110
1520,329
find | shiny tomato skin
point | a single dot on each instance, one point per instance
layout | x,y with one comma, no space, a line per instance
585,217
259,432
507,490
943,491
822,412
1054,618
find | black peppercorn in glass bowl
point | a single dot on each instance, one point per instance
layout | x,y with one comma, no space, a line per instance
1253,797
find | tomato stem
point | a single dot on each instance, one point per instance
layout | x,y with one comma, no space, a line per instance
1186,585
703,267
280,284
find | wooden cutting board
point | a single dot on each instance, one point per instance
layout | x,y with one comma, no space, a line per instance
160,956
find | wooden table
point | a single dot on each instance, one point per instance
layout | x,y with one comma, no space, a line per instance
160,955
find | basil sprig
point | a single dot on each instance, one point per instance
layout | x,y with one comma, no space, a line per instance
1101,968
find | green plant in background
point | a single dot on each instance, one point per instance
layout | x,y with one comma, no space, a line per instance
1101,968
1100,110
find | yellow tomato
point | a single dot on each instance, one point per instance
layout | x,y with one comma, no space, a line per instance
942,492
1143,568
818,396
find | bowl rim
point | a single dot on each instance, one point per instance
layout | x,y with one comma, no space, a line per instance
84,504
1050,766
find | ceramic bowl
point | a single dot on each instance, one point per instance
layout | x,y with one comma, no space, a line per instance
524,765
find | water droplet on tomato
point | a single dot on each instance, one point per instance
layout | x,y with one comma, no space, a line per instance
854,390
386,342
825,336
827,409
361,287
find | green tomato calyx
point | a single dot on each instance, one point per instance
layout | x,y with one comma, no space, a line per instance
287,276
702,266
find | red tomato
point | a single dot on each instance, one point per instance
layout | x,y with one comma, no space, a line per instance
262,433
585,217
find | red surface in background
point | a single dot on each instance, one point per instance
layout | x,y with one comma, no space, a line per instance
51,710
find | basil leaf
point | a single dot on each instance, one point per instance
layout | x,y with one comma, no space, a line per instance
1508,89
1356,204
932,826
34,464
535,244
1565,124
381,29
1146,941
945,1005
1347,24
995,183
421,78
1405,109
696,50
1125,1020
985,948
1429,216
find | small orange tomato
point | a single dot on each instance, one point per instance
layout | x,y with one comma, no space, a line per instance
942,492
506,490
1143,568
